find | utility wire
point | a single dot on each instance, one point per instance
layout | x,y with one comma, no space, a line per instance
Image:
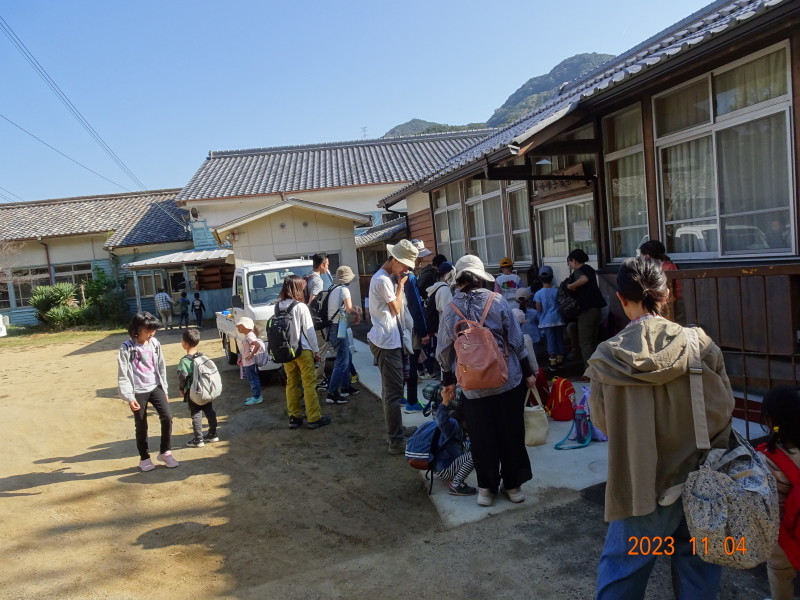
62,154
12,193
5,198
66,101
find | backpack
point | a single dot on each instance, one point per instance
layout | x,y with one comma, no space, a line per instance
420,448
206,382
431,313
567,302
480,365
789,532
561,405
261,357
279,343
319,309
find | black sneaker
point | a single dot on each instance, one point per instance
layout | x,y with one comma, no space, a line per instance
323,385
350,391
210,438
321,423
295,422
336,399
462,489
193,443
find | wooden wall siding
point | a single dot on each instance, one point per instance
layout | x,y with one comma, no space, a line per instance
420,226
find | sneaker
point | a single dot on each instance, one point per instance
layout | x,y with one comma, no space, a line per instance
354,378
397,447
210,438
514,494
413,408
195,443
251,401
336,399
350,391
146,465
168,459
295,422
323,385
485,497
462,489
321,423
425,376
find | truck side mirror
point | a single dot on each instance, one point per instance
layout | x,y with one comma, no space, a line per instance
236,301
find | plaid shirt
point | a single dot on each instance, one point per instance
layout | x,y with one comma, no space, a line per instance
163,301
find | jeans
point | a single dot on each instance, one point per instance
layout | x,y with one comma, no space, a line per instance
555,340
390,365
197,413
301,381
340,377
183,319
324,346
251,374
622,576
158,399
198,317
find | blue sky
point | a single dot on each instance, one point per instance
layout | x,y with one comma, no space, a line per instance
165,82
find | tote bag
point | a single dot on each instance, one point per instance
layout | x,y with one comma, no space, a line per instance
536,423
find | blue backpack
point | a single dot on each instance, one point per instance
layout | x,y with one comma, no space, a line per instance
420,448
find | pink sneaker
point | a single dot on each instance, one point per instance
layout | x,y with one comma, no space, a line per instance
146,465
168,459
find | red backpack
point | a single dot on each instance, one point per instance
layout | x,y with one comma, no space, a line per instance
789,536
561,405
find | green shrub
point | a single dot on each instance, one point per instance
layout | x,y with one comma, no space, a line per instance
61,317
47,297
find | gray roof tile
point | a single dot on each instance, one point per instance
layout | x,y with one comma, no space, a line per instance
132,219
265,171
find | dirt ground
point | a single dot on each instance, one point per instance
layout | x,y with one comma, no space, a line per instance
267,512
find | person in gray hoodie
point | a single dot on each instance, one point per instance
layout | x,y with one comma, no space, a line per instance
640,396
142,379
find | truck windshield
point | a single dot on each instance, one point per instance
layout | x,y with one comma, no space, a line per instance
263,287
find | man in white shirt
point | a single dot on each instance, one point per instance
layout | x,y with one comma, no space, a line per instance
386,307
315,286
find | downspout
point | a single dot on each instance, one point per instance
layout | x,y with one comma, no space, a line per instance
47,258
402,214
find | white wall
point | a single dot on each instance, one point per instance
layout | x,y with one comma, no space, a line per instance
62,250
416,202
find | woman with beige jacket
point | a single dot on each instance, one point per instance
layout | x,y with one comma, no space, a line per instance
640,396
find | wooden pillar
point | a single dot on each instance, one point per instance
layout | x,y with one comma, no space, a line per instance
136,291
650,162
187,283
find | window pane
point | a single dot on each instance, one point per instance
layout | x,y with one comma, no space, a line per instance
519,209
627,195
700,236
146,287
522,247
493,216
490,185
457,249
473,188
495,249
5,298
687,180
456,225
442,230
554,237
682,109
475,224
752,234
623,130
625,242
479,249
452,194
757,81
581,223
753,165
439,198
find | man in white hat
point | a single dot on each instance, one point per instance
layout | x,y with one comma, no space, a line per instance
386,309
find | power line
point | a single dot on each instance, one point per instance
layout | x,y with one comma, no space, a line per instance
5,198
62,154
12,193
66,101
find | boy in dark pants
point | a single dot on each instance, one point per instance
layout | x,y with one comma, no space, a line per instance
190,340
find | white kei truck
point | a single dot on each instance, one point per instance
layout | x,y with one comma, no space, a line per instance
255,292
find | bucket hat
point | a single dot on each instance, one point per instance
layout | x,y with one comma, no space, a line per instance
405,252
420,246
472,264
344,275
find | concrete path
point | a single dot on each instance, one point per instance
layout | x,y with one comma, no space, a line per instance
553,469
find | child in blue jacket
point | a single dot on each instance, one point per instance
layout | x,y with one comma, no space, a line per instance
453,457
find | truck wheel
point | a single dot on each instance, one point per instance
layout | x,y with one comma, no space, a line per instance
232,356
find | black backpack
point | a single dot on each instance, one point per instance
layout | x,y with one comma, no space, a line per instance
279,344
319,309
431,313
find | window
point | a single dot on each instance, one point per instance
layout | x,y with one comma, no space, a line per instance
520,224
724,160
25,281
264,287
448,222
149,284
73,273
5,298
625,179
485,220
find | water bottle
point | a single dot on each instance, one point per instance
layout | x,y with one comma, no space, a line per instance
581,423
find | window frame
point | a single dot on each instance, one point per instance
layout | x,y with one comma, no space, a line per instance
446,248
503,235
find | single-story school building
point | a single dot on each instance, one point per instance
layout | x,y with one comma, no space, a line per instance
691,138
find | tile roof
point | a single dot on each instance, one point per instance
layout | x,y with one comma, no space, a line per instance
698,28
381,232
132,219
265,171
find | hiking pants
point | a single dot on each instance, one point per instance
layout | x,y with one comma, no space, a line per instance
390,365
340,377
497,432
781,575
197,413
412,396
324,347
623,576
301,382
158,399
166,316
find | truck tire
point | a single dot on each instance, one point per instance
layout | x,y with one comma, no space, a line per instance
232,356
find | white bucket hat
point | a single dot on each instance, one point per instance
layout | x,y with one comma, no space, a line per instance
420,246
344,275
405,252
472,264
246,321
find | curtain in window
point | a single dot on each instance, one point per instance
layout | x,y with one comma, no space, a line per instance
624,130
580,218
687,180
751,83
682,109
627,194
554,235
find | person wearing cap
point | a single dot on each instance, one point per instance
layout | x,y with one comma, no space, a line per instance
507,283
340,306
495,415
250,347
387,313
551,322
430,275
419,333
